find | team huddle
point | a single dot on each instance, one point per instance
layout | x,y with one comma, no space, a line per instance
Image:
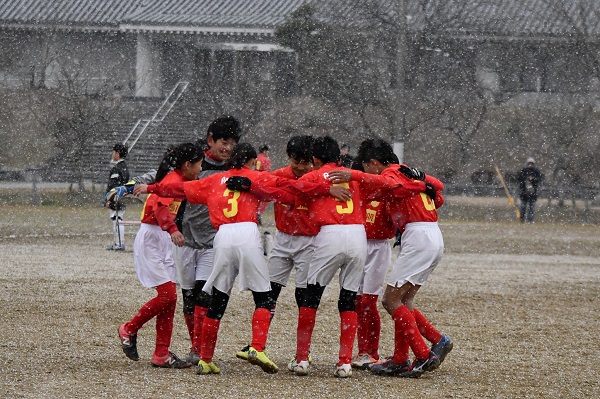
199,230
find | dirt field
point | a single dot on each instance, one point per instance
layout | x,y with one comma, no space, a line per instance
522,304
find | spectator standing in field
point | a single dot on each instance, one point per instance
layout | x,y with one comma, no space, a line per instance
345,158
263,164
119,175
529,180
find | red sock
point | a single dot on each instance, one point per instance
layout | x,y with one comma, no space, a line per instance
362,328
425,328
260,328
400,347
189,323
199,315
348,325
405,321
306,324
148,311
373,323
210,332
167,295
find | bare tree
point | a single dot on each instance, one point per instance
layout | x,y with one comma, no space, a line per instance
79,115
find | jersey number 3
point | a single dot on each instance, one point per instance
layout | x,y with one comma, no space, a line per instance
233,203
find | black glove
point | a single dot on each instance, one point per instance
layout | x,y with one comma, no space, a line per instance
411,173
429,190
398,238
238,183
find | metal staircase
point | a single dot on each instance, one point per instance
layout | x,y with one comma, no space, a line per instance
141,125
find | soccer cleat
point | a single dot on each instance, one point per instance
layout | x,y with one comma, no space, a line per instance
442,348
261,359
389,368
293,362
420,366
243,353
115,247
204,368
364,361
343,371
192,357
171,361
300,369
128,343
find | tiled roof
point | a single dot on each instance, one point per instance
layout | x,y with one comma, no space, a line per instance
65,12
476,17
211,13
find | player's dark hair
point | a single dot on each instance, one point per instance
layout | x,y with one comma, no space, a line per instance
326,149
176,156
357,165
263,147
242,153
377,149
299,148
121,149
224,127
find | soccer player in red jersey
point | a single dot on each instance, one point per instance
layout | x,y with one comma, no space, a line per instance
263,164
237,244
341,244
379,229
153,259
421,250
293,243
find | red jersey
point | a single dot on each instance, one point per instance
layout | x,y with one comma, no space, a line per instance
378,223
293,219
407,203
161,211
329,210
225,206
416,208
263,163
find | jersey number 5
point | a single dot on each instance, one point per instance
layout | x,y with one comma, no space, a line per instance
233,203
349,207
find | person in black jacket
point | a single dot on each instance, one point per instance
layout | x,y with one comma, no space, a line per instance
529,181
118,176
346,159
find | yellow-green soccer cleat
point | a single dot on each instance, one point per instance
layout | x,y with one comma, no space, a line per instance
204,368
260,359
243,353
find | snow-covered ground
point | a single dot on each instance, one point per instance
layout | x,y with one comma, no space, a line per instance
522,303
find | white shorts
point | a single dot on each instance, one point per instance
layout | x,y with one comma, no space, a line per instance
379,257
420,252
238,251
342,247
290,252
152,257
192,264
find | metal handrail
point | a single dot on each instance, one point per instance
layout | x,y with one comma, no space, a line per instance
166,105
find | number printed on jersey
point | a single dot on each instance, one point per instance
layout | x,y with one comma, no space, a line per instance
174,207
371,213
